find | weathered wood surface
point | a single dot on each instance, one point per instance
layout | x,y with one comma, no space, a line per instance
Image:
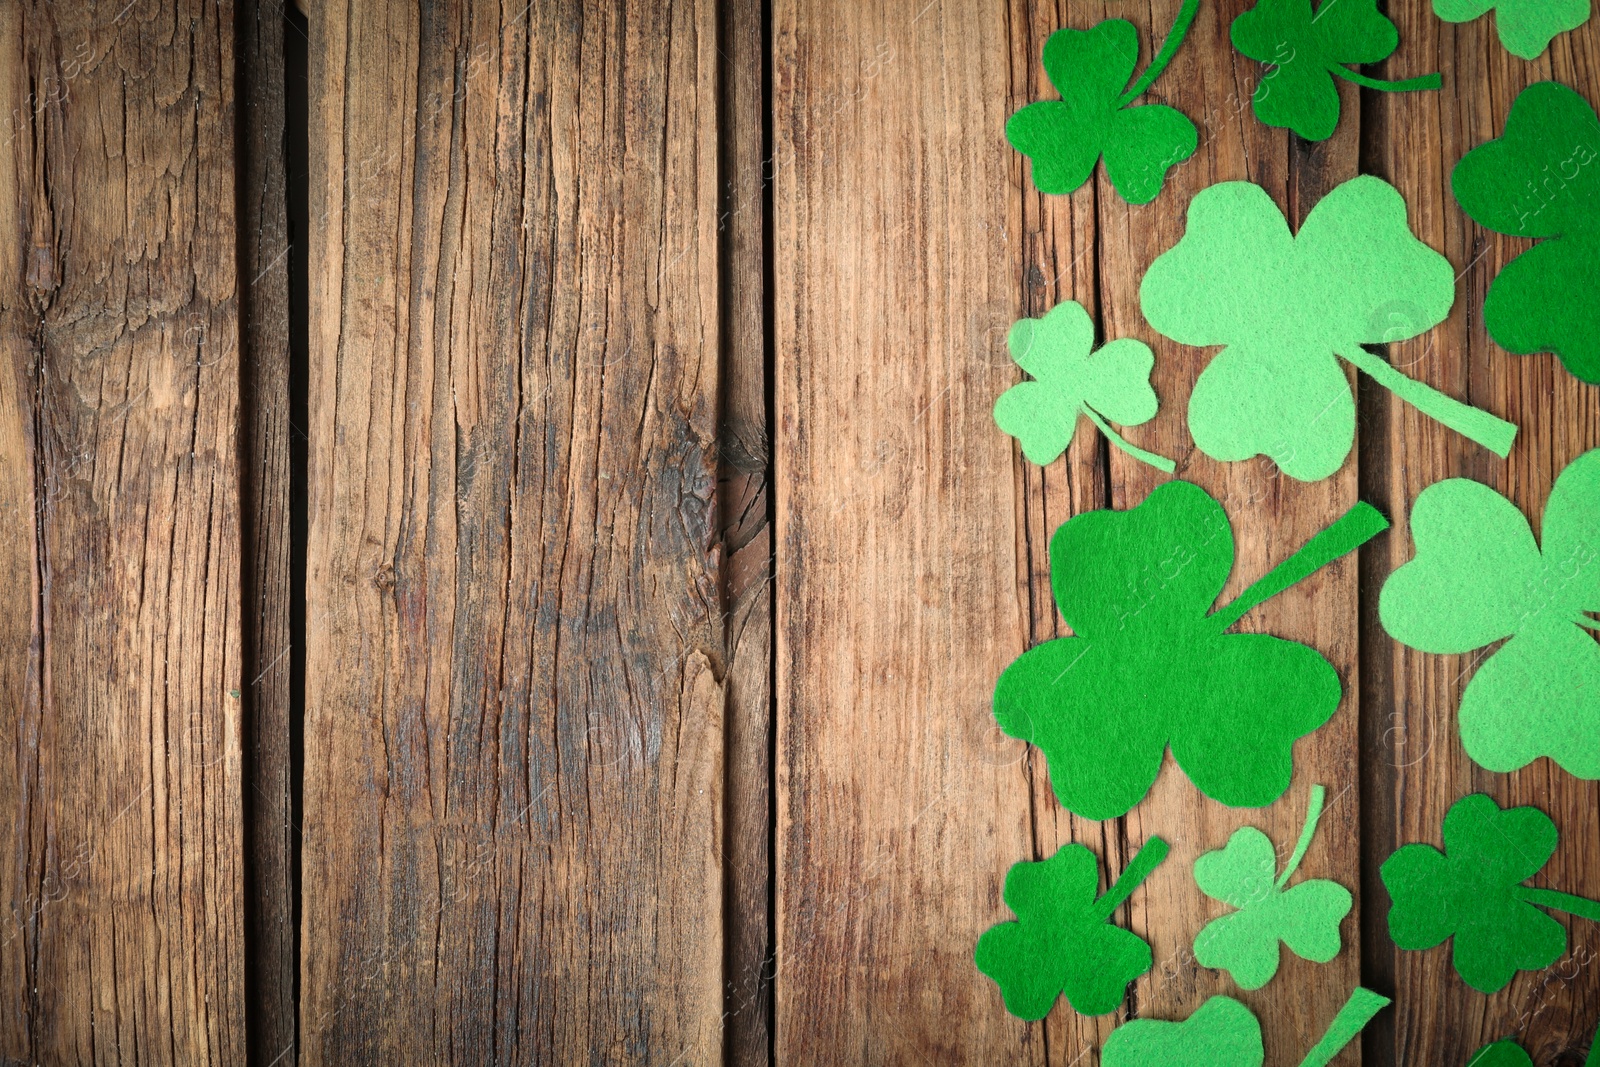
120,644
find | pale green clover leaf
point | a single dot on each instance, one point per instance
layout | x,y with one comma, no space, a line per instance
1225,1033
1071,380
1480,577
1289,307
1526,27
1243,874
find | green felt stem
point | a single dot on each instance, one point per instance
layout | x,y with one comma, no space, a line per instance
1427,81
1353,529
1492,433
1352,1018
1154,851
1556,900
1313,813
1169,48
1588,621
1161,463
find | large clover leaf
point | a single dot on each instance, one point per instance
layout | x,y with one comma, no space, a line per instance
1306,917
1090,69
1062,941
1150,668
1305,51
1526,27
1542,179
1112,383
1472,892
1224,1033
1480,577
1288,307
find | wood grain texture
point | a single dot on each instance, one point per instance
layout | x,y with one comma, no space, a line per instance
1414,764
514,720
120,644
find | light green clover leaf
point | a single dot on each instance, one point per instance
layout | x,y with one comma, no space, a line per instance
1526,27
1225,1033
1071,380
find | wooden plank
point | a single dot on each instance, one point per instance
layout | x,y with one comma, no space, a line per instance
120,667
514,716
1416,767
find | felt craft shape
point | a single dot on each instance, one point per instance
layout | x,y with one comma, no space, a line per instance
1071,380
1526,27
1289,307
1149,667
1507,1053
1224,1033
1063,940
1305,917
1305,51
1090,69
1480,577
1472,892
1541,179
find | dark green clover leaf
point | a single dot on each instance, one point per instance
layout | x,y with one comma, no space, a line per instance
1090,69
1541,179
1526,27
1149,667
1063,941
1225,1033
1071,380
1472,892
1503,1053
1243,874
1305,51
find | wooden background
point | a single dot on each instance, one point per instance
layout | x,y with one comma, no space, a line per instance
509,554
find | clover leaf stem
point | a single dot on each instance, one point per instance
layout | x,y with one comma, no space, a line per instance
1556,900
1154,851
1161,463
1313,813
1426,81
1353,529
1351,1020
1169,48
1492,433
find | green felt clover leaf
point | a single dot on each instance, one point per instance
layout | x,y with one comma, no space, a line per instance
1507,1053
1526,27
1305,50
1288,307
1306,917
1090,69
1062,941
1149,667
1480,577
1071,380
1224,1033
1542,179
1472,892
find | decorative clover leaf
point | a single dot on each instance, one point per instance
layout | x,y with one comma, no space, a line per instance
1089,68
1224,1033
1472,892
1507,1053
1479,577
1306,917
1541,180
1149,667
1306,51
1287,305
1526,26
1063,941
1112,383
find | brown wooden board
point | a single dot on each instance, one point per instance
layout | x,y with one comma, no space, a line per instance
120,646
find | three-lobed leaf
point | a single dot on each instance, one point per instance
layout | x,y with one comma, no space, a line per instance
1526,27
1303,49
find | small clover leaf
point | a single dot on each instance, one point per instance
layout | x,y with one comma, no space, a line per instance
1305,51
1502,1053
1112,383
1526,27
1288,307
1305,917
1090,69
1062,941
1472,892
1539,179
1150,668
1225,1033
1480,577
